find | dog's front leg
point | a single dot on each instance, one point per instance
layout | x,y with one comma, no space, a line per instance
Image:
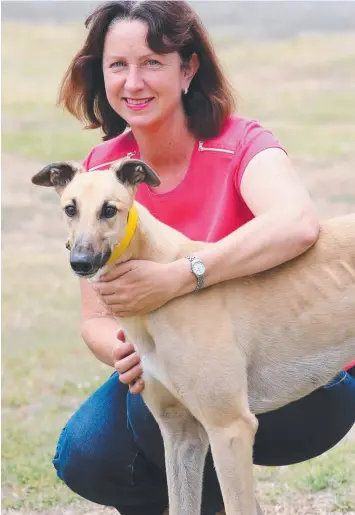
185,445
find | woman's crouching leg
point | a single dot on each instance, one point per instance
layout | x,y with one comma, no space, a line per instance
97,456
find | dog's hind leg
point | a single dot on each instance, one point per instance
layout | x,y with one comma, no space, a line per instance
185,445
231,428
231,447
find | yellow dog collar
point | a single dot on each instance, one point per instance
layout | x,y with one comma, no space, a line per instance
132,223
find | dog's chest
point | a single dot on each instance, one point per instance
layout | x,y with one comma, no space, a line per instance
154,369
137,334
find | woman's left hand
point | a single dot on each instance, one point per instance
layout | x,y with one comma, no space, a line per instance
138,287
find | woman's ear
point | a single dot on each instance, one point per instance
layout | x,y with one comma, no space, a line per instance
190,69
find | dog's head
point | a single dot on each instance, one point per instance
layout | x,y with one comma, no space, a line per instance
96,206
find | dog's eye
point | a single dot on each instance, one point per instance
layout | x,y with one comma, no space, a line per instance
108,211
70,210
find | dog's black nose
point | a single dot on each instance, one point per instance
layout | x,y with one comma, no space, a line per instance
81,263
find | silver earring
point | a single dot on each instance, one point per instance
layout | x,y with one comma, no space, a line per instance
186,90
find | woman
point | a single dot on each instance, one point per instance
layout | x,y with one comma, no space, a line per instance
225,179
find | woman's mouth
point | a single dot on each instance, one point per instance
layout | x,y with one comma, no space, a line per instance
137,103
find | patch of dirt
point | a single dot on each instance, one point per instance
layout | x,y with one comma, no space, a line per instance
316,504
85,508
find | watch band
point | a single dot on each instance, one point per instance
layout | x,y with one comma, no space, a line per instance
200,279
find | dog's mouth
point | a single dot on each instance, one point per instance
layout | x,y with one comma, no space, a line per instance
88,275
86,264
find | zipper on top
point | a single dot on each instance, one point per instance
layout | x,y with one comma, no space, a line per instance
131,154
201,148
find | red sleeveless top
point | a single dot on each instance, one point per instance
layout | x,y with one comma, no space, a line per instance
207,204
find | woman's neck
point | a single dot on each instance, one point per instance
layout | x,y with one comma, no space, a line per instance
166,146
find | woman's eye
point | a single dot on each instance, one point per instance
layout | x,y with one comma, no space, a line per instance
118,64
70,210
153,62
108,211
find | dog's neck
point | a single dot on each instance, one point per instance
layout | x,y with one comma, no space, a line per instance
156,241
132,223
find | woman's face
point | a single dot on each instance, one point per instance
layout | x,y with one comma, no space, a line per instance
144,88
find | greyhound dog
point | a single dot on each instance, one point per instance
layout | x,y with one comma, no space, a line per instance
281,333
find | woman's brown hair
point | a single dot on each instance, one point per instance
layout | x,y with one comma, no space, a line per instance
172,27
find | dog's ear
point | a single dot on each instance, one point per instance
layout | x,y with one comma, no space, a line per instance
132,172
57,175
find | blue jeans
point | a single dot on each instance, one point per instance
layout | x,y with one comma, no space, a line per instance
111,451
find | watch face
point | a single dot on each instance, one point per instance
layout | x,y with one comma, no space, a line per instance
198,268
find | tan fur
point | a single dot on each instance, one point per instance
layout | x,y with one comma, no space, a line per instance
214,359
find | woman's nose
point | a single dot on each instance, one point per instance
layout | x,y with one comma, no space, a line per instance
134,79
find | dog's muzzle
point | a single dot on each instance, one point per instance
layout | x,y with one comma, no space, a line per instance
87,264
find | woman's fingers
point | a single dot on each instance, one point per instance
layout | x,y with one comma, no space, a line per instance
121,336
136,386
122,350
125,364
132,374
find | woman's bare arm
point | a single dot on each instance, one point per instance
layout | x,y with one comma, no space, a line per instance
102,334
285,224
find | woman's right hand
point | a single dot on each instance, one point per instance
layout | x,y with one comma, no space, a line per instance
128,364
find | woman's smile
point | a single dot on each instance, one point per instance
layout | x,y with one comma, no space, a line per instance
137,104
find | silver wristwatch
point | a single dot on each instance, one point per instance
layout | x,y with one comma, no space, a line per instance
198,268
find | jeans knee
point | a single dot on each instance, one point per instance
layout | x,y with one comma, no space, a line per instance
86,465
110,479
74,463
